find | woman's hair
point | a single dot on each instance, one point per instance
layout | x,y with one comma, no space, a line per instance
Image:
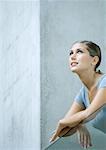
94,50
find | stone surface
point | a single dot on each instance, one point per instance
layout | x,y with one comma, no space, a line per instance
19,75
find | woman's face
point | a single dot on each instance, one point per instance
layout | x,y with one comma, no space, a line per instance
79,59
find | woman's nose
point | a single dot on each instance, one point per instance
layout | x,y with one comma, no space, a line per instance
73,56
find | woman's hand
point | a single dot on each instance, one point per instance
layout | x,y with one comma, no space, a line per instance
64,125
84,136
67,131
58,132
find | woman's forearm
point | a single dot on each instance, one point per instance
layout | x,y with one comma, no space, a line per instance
75,108
75,119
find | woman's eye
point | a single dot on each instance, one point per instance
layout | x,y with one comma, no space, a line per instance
79,51
71,53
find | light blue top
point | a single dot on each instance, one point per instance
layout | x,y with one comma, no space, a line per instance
82,98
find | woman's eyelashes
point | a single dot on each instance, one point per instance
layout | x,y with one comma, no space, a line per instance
78,51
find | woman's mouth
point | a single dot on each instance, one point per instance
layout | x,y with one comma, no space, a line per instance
73,64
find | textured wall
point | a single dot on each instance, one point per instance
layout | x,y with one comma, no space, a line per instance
19,75
62,23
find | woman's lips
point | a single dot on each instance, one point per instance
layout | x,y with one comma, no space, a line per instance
74,64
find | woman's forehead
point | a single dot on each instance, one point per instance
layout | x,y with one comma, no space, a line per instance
78,46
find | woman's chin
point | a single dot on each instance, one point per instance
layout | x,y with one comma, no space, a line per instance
75,70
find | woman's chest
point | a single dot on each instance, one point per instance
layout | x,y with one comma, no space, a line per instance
91,94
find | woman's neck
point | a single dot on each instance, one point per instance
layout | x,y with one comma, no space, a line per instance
89,79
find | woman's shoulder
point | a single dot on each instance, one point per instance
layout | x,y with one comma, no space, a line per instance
102,81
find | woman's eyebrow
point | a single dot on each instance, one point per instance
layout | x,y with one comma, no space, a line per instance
76,50
80,49
71,50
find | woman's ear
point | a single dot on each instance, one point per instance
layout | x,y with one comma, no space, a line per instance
95,60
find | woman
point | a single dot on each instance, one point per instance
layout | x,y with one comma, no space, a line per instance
84,59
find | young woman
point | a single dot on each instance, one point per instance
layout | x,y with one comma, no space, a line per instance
84,59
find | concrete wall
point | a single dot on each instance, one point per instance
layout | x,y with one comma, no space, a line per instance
62,23
19,75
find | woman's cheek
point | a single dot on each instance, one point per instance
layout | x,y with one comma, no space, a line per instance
85,59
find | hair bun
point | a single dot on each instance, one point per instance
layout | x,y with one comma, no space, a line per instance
98,71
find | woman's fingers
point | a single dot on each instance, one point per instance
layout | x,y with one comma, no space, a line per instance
64,131
82,140
85,141
55,135
84,137
57,132
89,141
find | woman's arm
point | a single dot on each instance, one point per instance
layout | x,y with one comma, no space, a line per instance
76,107
98,101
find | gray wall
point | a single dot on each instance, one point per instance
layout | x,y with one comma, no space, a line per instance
19,75
62,23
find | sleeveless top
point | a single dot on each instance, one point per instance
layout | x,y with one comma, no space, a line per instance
82,98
